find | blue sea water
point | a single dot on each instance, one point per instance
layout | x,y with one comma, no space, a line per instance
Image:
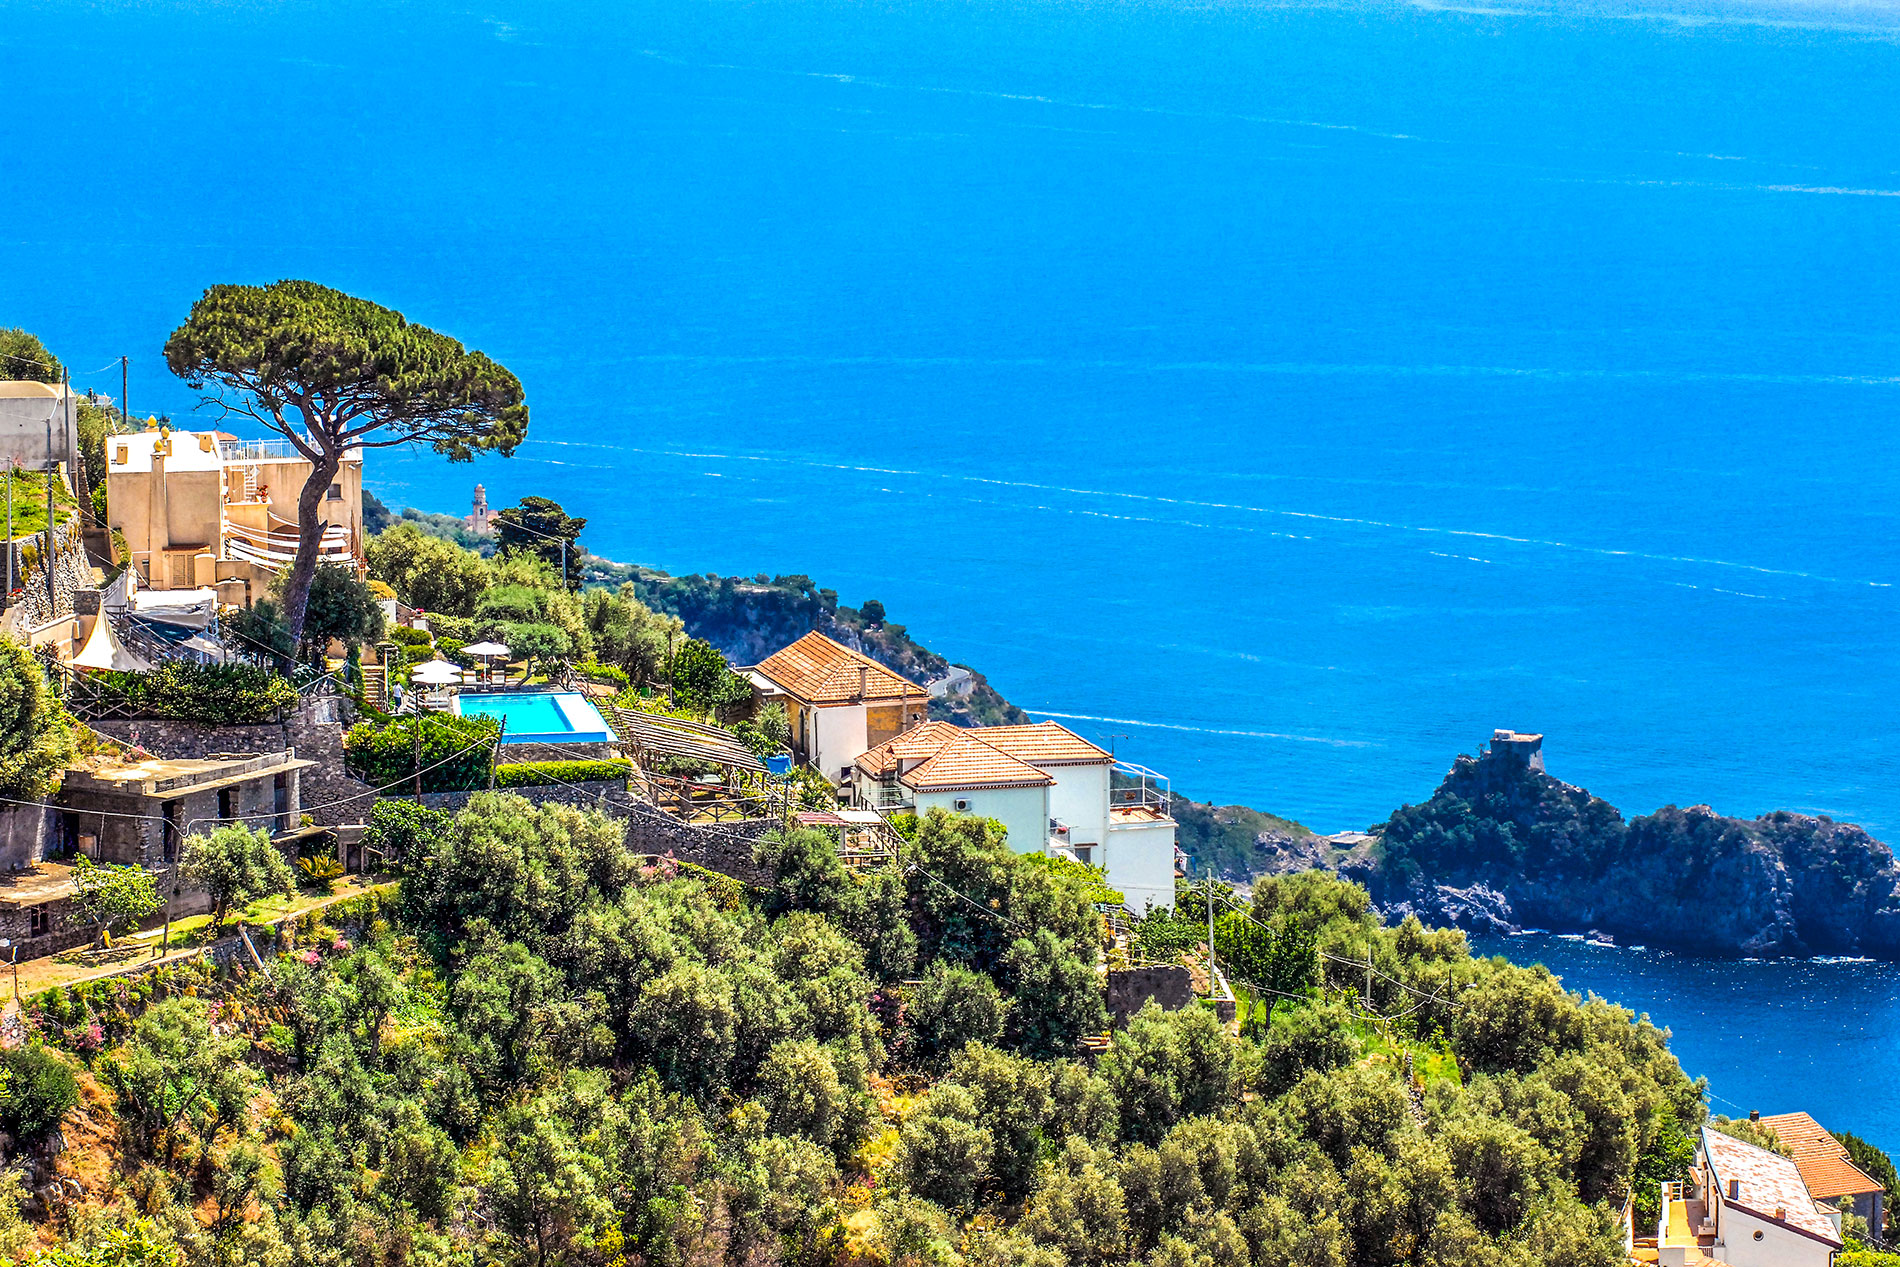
1287,394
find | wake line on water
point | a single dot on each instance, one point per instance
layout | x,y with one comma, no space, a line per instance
1469,533
1203,730
1315,368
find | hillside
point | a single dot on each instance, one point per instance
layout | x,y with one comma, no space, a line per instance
544,1050
1501,844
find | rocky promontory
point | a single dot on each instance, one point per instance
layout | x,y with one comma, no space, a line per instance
1502,845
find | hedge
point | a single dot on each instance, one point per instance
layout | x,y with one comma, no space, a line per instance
216,694
454,753
545,773
403,636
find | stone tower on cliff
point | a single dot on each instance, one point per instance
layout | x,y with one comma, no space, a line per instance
1522,750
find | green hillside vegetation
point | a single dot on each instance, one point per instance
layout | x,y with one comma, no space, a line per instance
1233,840
544,1052
745,618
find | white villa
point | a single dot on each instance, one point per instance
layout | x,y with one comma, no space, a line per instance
841,703
1050,788
1746,1207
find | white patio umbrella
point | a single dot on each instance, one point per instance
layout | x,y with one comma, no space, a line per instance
486,652
435,673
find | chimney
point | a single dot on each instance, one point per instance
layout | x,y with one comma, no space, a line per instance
1735,1189
864,675
1754,1115
1781,1212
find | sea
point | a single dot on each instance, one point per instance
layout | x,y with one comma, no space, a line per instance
1284,395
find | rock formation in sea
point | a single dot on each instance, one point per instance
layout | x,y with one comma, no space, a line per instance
1502,844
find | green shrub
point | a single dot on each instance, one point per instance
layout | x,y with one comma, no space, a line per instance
453,753
401,830
461,628
215,694
39,1089
403,636
612,674
546,773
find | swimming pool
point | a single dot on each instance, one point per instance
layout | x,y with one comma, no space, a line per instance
539,716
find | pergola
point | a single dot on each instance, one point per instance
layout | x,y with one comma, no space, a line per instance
644,736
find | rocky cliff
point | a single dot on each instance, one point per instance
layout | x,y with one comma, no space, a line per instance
1501,844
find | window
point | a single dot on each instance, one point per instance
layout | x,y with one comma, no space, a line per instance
336,492
227,802
1085,854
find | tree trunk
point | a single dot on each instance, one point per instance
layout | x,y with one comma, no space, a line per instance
303,569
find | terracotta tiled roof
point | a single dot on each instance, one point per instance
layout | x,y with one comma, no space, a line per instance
1771,1186
1824,1165
819,671
916,744
1045,744
968,762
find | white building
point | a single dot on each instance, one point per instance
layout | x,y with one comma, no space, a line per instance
1050,788
841,703
1747,1207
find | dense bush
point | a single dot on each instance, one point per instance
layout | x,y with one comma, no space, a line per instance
404,636
545,773
399,830
36,736
452,753
36,1089
213,694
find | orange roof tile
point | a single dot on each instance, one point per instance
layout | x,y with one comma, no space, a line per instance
1771,1186
968,762
1045,744
1824,1164
916,744
819,671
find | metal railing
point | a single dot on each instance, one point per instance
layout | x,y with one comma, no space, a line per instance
257,450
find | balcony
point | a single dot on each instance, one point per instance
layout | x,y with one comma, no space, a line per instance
1137,796
258,451
1685,1236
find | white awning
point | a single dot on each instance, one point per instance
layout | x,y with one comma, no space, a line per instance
103,650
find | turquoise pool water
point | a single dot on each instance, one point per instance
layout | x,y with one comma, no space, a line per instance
539,716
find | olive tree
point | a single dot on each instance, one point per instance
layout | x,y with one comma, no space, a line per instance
234,865
330,372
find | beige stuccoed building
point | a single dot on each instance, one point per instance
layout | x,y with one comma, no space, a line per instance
205,510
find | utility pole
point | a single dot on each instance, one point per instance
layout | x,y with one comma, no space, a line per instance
52,596
12,463
1368,994
1210,930
125,390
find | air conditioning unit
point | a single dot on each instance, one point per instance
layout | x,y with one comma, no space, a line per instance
962,805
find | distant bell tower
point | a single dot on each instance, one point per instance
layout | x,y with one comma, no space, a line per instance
1523,750
480,519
